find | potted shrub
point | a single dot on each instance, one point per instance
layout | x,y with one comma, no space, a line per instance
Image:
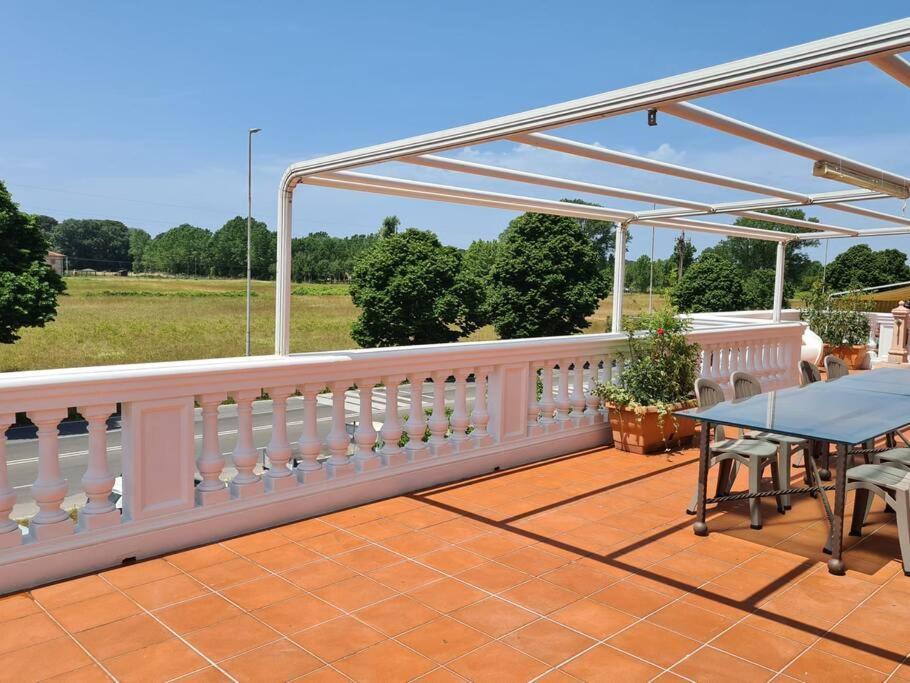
657,377
841,324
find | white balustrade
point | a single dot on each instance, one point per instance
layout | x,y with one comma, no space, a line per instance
98,481
498,417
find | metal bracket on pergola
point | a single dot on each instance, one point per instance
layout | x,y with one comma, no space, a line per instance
877,45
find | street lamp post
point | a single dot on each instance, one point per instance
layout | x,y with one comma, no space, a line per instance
249,228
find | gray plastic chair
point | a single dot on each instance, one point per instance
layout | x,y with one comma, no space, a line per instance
755,454
835,368
744,386
891,483
808,373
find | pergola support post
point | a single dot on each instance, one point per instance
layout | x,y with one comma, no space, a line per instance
779,281
283,273
619,276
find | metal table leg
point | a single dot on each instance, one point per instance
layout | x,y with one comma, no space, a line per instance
836,563
704,452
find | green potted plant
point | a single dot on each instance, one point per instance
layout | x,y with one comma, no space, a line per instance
840,323
658,376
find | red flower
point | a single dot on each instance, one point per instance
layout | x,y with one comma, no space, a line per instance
660,331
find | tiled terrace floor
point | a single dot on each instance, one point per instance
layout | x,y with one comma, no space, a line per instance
583,568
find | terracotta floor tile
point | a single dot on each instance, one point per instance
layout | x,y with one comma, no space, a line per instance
758,646
30,630
593,618
167,591
283,557
354,593
104,609
231,637
440,675
459,530
337,638
352,516
532,561
628,597
255,543
86,674
443,639
228,573
198,613
712,665
494,617
207,675
318,574
448,595
139,573
42,660
297,613
74,590
452,560
385,661
497,662
308,528
161,661
864,648
324,675
405,576
414,543
278,662
396,615
120,637
333,543
604,663
261,592
493,545
197,558
579,578
421,518
17,606
380,529
367,558
493,577
654,644
690,621
548,641
540,596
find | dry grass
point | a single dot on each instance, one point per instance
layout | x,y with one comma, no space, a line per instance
94,329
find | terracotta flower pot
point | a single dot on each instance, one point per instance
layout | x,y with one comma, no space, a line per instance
642,431
853,355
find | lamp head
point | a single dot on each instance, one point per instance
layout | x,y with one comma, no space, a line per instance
254,130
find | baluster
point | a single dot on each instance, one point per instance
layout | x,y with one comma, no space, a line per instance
365,457
460,419
246,482
98,481
578,390
562,392
49,488
211,461
10,535
607,378
279,477
439,421
338,441
391,451
547,404
480,416
591,400
534,427
416,425
309,469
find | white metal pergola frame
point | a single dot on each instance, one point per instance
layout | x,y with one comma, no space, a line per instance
878,45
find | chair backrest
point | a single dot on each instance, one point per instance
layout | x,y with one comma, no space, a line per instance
808,373
744,384
708,393
835,367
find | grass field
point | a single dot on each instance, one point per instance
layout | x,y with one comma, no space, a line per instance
112,320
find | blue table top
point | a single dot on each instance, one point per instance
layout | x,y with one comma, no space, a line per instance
842,411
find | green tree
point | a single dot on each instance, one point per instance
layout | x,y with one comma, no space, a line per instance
93,243
184,250
389,226
477,264
712,283
410,291
758,290
139,240
546,278
228,250
319,257
46,224
861,266
28,286
601,233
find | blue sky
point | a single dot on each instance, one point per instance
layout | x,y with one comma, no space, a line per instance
139,111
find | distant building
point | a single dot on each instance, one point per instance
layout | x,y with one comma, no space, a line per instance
56,260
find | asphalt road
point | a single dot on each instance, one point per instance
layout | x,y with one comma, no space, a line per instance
22,453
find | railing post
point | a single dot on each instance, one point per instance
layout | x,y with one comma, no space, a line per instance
534,426
547,404
391,452
246,482
578,390
50,487
365,457
416,425
279,476
10,535
460,419
508,397
480,416
211,461
439,421
98,481
562,393
309,469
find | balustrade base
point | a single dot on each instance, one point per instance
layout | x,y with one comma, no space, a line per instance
312,476
339,471
464,445
418,454
395,459
48,530
254,488
280,483
536,430
211,497
367,464
482,440
98,520
441,449
11,538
